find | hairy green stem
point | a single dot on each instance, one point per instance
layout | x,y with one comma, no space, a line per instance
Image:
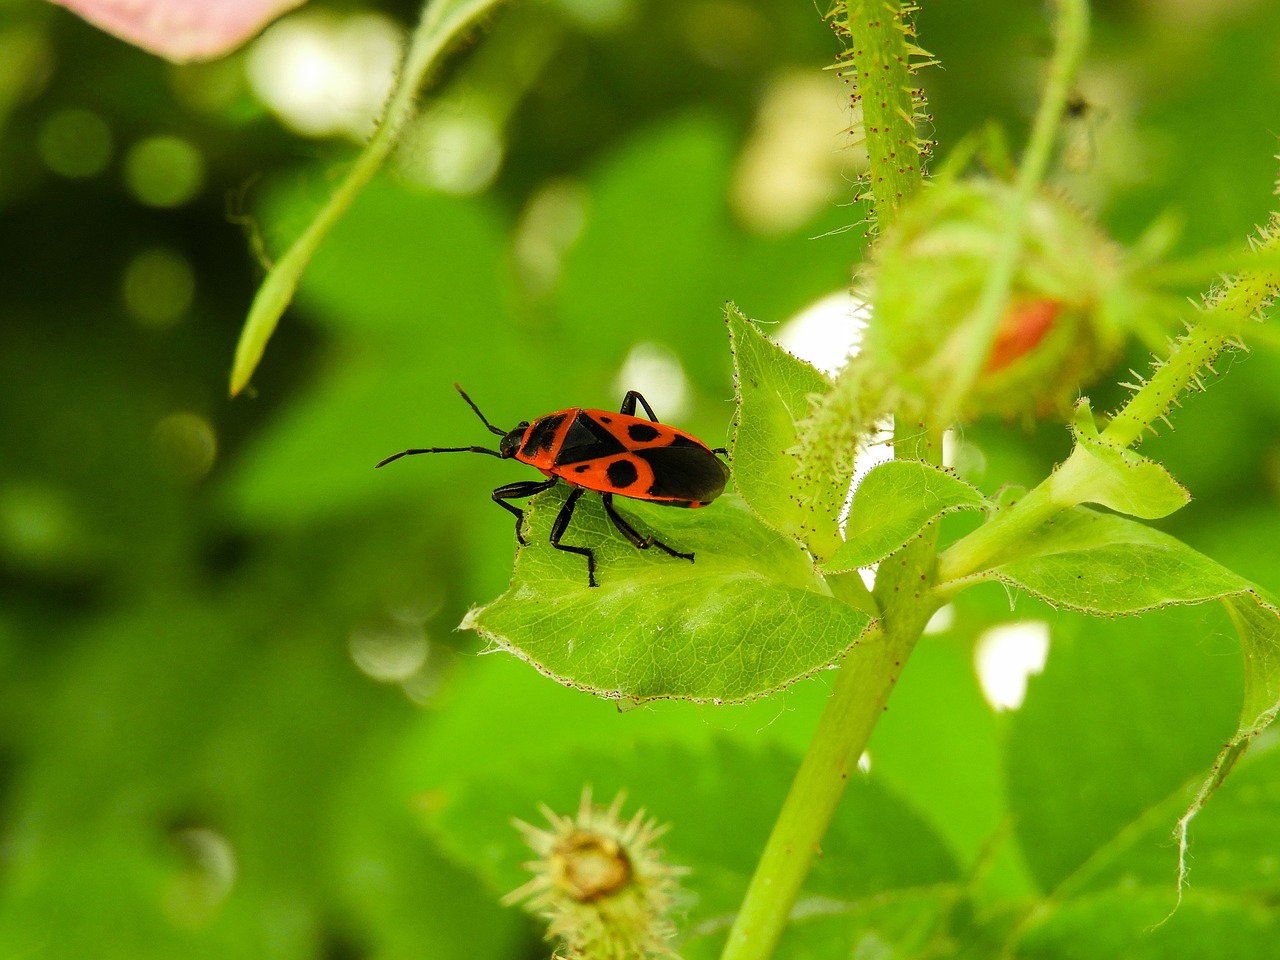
442,23
1192,353
881,54
1072,32
879,47
862,689
862,686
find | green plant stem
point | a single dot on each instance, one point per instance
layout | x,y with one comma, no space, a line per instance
881,55
1193,353
877,34
442,22
994,540
862,686
1072,32
862,689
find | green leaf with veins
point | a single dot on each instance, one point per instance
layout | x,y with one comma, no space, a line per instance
747,617
894,502
773,392
1105,564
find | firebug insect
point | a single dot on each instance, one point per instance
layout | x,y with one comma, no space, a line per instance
610,453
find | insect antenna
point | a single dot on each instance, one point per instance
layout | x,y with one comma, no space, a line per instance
411,453
485,450
483,418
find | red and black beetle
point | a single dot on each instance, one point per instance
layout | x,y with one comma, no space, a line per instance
610,453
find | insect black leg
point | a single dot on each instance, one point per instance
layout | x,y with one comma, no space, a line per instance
517,491
562,523
629,405
630,532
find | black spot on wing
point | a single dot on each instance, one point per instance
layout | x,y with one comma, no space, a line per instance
685,472
642,432
587,440
542,435
621,474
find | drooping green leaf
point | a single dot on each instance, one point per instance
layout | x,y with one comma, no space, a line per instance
1236,849
894,502
1123,923
1106,564
774,390
1128,712
1118,478
747,617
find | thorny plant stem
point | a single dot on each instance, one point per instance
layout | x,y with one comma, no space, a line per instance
903,583
880,55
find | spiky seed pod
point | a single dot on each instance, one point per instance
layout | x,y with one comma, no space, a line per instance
1060,328
600,883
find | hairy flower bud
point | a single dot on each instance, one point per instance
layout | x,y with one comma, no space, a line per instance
1056,331
600,883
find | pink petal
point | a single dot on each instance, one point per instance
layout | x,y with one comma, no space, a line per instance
181,30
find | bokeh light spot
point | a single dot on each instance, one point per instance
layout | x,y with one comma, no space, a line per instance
655,371
158,287
827,332
1005,656
75,143
793,163
453,148
187,444
549,226
164,171
323,74
390,654
37,524
211,868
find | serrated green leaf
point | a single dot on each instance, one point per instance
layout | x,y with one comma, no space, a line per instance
1118,478
1103,564
894,502
773,392
747,617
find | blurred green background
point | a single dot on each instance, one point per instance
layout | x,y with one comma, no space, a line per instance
232,696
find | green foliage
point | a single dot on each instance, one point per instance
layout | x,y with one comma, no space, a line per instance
775,391
236,716
746,618
878,847
893,503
